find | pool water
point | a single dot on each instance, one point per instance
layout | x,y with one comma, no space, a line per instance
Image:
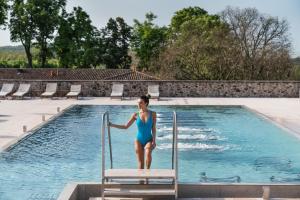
216,144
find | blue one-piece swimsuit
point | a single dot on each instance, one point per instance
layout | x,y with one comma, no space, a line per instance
144,134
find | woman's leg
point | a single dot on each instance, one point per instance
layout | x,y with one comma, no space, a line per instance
148,150
139,150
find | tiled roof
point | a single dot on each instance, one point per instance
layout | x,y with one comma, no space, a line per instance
73,74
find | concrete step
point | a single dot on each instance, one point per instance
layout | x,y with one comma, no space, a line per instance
139,173
116,192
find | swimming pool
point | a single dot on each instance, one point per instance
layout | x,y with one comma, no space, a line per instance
216,143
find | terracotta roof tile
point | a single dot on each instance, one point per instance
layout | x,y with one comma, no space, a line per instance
73,74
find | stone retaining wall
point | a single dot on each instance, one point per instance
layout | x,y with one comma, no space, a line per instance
174,88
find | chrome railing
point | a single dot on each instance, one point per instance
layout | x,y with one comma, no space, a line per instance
174,142
175,152
104,125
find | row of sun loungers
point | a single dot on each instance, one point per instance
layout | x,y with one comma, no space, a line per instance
24,89
7,89
75,90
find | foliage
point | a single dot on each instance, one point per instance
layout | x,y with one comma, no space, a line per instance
3,12
147,41
116,37
200,51
77,41
296,69
236,44
263,42
184,15
22,27
242,44
45,15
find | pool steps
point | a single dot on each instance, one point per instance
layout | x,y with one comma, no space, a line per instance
114,175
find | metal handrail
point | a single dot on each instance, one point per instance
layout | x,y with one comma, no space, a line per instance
106,114
103,153
174,142
175,153
109,141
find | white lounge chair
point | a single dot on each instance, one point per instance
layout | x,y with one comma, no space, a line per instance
51,89
22,90
153,90
6,89
117,91
74,91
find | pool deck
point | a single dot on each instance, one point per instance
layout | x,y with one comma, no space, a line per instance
14,114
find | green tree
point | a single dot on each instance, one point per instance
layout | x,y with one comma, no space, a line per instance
78,42
115,37
46,15
63,42
200,51
3,12
147,41
184,15
22,27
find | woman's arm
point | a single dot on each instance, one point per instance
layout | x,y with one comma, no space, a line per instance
129,123
154,130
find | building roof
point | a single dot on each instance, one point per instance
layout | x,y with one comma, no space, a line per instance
73,74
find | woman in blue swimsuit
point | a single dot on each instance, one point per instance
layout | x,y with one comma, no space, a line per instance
146,135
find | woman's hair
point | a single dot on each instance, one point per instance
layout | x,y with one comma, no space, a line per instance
146,98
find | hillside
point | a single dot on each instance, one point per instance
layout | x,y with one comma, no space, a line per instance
12,49
296,61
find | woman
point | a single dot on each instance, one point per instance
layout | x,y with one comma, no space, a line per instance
146,123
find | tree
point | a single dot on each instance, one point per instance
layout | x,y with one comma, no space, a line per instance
78,41
200,51
3,12
184,15
263,43
22,27
115,37
197,47
46,15
240,44
63,42
147,41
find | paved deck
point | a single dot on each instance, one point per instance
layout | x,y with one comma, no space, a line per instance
14,114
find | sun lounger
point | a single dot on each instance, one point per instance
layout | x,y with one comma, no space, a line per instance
50,90
74,91
153,90
117,91
6,89
22,90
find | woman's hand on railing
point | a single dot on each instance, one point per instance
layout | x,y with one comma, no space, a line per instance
153,144
110,124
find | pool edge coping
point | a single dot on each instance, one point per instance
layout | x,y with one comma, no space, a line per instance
33,130
213,190
272,121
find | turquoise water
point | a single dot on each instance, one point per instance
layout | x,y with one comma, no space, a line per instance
216,144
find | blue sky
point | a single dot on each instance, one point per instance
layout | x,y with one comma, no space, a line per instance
101,10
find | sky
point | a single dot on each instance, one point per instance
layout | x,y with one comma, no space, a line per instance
101,10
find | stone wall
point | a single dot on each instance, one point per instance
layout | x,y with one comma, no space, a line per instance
174,88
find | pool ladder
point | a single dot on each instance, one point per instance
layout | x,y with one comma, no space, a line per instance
138,174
